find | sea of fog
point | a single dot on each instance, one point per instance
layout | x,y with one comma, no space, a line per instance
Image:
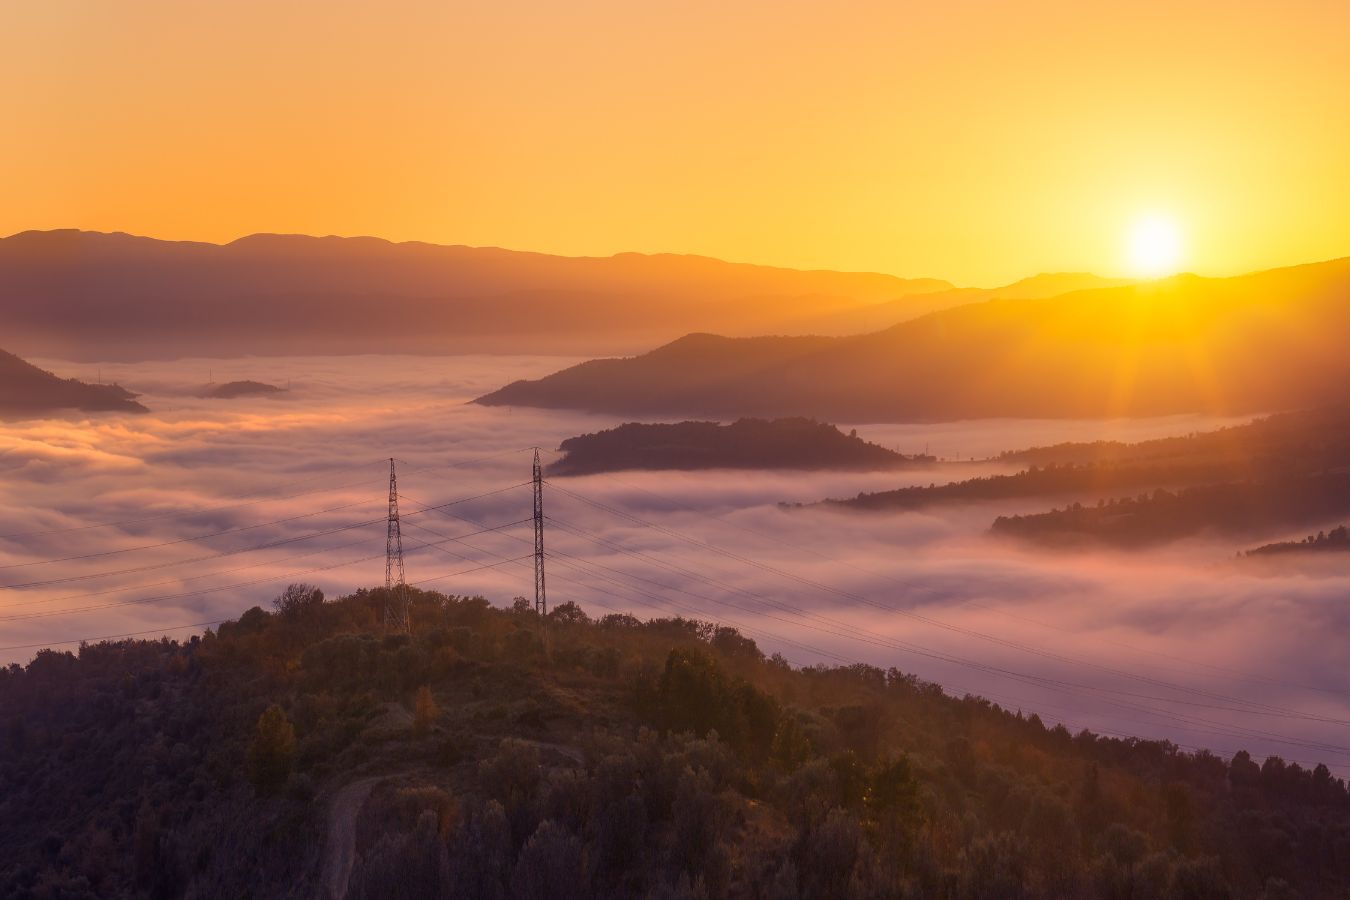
114,525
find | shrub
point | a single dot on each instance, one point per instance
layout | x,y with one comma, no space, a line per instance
272,752
425,711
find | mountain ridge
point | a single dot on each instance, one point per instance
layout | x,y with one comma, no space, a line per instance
1246,344
74,294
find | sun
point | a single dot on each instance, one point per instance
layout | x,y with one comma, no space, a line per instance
1154,246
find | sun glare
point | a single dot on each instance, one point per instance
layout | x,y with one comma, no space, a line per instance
1154,247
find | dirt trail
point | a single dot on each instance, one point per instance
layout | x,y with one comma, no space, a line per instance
339,848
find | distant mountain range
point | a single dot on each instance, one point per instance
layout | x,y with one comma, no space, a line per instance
864,319
1253,343
85,295
26,390
80,294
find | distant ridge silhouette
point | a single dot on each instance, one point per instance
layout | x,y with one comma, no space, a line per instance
1253,343
84,295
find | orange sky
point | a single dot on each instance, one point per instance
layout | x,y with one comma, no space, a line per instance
976,141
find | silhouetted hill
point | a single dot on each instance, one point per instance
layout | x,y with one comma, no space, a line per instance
1049,481
744,444
1235,508
1317,436
864,319
26,390
1260,478
1255,343
1279,446
231,390
78,294
489,753
1337,540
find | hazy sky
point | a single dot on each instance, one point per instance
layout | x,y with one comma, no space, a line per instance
977,141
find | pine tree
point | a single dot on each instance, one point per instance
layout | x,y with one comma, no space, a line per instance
425,711
272,752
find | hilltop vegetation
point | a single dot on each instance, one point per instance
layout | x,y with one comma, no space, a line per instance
1271,340
1258,478
1246,507
232,390
1304,440
743,444
1051,480
26,390
1262,477
1337,540
494,754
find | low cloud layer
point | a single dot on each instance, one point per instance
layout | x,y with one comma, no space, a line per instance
1182,642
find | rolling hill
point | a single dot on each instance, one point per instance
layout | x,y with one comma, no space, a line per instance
744,444
26,390
308,752
1254,343
78,294
863,319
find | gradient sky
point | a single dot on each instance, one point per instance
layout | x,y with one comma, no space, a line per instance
976,141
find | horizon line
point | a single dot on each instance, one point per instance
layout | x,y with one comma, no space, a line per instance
951,285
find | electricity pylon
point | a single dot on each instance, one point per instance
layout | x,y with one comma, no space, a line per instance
397,615
540,596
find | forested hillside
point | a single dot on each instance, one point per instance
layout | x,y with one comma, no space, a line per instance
1257,479
1245,507
492,753
1337,540
26,390
743,444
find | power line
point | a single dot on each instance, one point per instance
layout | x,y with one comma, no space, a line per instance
183,595
1196,725
187,540
110,637
864,636
1246,676
203,510
139,587
97,575
1041,681
186,594
1253,706
91,576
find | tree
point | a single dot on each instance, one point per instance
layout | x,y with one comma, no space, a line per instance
298,600
272,752
404,866
550,866
693,694
894,791
569,613
425,711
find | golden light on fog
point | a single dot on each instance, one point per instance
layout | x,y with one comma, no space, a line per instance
1154,246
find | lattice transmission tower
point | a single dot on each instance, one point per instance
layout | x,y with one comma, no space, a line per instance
540,595
397,611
